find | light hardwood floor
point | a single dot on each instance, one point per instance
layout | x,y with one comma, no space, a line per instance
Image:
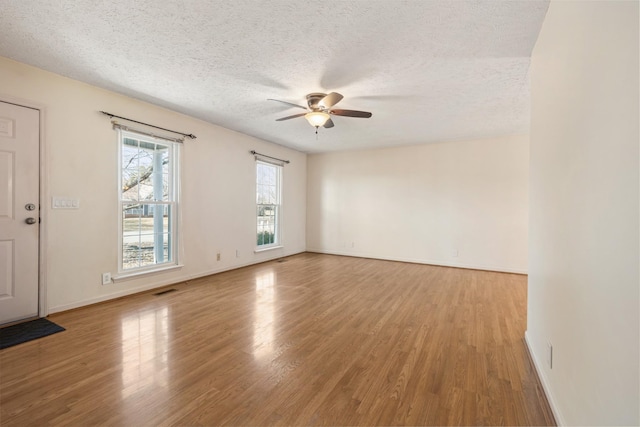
313,340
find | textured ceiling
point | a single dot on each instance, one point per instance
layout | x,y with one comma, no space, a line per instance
427,70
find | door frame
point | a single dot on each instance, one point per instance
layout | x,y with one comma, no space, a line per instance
43,196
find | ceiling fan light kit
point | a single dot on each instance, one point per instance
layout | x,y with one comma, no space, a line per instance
317,118
320,112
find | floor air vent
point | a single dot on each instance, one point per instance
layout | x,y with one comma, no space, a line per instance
166,291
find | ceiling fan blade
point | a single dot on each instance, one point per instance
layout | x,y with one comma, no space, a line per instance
351,113
288,103
290,117
330,100
328,124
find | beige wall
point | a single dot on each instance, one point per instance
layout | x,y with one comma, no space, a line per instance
218,189
421,203
584,245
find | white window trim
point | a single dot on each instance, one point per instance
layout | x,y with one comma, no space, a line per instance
146,272
175,201
277,244
268,248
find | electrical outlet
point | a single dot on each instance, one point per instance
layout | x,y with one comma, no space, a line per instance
237,253
550,355
454,253
106,278
218,256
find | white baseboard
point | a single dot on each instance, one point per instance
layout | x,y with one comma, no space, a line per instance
545,384
236,266
103,298
159,284
420,261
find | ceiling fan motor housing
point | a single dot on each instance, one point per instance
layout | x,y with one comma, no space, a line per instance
313,99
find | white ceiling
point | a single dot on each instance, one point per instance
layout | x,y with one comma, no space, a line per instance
428,70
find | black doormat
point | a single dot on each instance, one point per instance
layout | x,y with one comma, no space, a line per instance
27,331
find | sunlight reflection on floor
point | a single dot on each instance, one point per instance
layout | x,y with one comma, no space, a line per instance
263,326
145,338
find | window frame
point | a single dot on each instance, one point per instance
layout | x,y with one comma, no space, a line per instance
172,202
277,243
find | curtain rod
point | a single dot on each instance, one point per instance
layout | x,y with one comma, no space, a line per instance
189,135
117,125
264,155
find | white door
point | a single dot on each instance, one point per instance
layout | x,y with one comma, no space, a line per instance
19,212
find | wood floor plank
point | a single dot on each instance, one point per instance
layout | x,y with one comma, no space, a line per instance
310,340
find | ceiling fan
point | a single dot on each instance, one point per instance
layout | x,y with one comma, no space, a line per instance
319,110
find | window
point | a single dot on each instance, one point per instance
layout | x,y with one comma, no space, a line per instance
148,202
268,177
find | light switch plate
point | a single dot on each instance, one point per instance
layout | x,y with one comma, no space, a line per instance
65,203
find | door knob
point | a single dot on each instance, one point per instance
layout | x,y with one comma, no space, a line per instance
30,220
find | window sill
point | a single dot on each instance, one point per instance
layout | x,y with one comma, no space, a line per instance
138,274
267,249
